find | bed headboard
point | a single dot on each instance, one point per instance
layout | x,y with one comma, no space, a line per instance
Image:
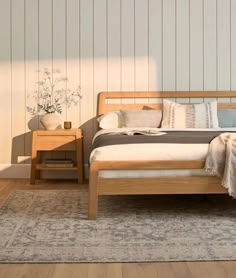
112,101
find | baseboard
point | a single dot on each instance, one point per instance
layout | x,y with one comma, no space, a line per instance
22,171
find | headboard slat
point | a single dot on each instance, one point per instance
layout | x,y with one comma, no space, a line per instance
104,107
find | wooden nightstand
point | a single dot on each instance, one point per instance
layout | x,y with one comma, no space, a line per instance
56,140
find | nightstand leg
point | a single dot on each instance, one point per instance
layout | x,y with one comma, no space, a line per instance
33,166
80,161
34,159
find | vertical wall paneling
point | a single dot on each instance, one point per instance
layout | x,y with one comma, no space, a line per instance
127,45
72,11
113,45
169,74
196,70
5,81
196,45
72,58
141,45
155,45
59,48
59,55
31,67
100,49
108,45
233,44
45,37
182,45
86,70
18,80
223,44
210,45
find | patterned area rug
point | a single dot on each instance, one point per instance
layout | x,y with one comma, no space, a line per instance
52,226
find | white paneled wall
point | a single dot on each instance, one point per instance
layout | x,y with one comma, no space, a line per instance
223,44
155,45
127,45
196,54
6,82
106,45
210,46
169,47
182,45
73,50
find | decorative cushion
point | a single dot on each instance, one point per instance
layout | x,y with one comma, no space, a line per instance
141,118
110,120
203,115
227,117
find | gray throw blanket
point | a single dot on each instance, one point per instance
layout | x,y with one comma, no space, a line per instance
221,160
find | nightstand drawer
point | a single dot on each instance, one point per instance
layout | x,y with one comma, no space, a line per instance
56,143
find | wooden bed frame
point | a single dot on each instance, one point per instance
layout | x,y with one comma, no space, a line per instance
168,185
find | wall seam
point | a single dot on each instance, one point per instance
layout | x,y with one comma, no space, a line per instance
230,26
93,70
134,46
94,124
203,46
121,53
216,45
107,46
25,76
189,52
79,29
162,45
11,61
175,46
38,53
66,56
148,44
52,39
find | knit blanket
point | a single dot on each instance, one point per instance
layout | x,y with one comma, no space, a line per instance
221,160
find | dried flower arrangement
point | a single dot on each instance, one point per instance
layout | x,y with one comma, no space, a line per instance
50,96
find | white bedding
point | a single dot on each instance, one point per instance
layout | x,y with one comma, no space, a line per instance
152,151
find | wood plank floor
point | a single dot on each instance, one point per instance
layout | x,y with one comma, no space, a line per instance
219,269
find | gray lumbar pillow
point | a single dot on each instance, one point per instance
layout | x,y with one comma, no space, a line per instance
227,117
141,118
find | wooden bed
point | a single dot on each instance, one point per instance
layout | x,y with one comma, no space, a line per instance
124,186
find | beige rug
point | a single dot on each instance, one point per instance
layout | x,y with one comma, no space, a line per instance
52,226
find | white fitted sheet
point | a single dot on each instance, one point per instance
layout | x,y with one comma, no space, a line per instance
150,152
152,173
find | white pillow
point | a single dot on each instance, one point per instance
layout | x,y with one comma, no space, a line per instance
110,120
141,118
203,115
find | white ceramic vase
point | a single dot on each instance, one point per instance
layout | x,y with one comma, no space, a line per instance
50,121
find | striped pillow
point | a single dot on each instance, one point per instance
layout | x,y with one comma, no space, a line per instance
203,115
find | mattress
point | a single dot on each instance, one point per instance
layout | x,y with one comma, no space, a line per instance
153,151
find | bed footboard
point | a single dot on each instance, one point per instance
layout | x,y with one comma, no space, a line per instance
133,186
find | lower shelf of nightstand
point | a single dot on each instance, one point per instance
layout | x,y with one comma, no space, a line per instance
43,167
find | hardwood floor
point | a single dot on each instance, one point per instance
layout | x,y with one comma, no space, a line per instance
219,269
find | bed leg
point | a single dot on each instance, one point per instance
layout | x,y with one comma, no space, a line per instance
93,194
